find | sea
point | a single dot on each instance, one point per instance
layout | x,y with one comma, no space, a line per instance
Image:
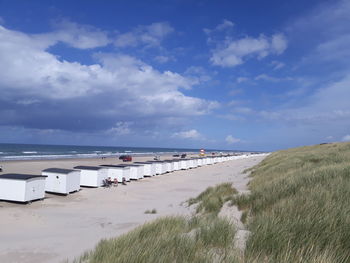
9,151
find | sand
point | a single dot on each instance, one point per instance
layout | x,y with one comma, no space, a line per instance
63,227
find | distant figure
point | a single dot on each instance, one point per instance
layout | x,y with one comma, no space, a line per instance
108,182
156,158
115,182
123,181
0,168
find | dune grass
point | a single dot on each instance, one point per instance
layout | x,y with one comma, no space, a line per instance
201,238
212,199
299,206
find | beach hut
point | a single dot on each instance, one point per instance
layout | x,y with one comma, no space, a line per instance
161,167
118,172
190,163
149,168
136,170
169,166
176,165
183,164
195,162
210,160
61,181
92,176
140,168
22,187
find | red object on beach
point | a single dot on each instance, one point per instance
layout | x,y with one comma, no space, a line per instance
125,158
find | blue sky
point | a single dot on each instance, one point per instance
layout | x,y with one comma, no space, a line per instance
249,75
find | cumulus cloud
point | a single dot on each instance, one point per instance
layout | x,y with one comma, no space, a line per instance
79,36
198,74
40,90
234,52
121,128
149,35
231,140
326,111
190,134
226,24
346,138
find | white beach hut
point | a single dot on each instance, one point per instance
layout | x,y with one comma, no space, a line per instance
169,166
118,172
199,161
190,163
140,170
176,164
22,187
149,168
92,176
210,160
136,170
61,181
183,164
195,162
161,167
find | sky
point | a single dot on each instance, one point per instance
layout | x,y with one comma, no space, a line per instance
240,75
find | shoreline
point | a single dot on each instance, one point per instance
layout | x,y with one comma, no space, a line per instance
36,166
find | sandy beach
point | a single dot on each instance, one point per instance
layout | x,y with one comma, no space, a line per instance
63,227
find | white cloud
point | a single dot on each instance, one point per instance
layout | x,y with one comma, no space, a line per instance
235,92
326,111
242,79
278,43
231,53
226,24
116,86
346,138
162,59
121,128
190,134
78,36
277,64
150,35
327,31
231,140
266,77
198,74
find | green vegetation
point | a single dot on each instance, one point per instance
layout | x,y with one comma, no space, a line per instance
153,211
211,200
299,206
202,238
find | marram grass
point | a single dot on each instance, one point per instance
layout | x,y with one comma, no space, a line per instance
299,206
175,239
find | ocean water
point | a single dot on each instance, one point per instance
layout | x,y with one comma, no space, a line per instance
39,151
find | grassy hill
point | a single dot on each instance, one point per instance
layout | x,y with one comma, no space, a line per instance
299,206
